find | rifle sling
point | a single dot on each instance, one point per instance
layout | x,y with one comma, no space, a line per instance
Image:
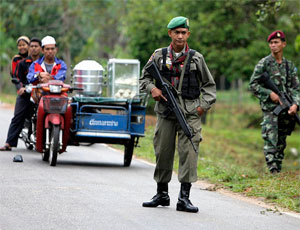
286,69
164,53
186,65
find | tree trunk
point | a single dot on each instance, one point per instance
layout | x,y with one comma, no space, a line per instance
222,82
240,91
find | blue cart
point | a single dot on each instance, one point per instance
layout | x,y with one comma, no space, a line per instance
109,120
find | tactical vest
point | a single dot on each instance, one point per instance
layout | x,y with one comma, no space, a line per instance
283,87
190,85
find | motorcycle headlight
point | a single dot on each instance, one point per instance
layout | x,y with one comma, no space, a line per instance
55,88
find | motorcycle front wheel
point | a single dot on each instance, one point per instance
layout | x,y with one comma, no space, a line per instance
54,145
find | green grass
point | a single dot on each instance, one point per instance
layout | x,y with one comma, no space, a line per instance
8,98
231,153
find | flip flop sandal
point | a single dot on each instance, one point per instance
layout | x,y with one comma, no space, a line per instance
5,148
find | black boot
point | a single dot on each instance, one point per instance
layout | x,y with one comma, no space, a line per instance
161,198
184,204
273,168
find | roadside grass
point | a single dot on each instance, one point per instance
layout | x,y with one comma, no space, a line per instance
231,153
7,98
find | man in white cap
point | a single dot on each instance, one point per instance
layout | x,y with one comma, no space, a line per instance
47,67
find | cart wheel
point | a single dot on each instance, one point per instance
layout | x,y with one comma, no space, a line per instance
54,145
128,152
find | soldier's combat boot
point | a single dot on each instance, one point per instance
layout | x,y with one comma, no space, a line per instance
161,198
184,204
273,168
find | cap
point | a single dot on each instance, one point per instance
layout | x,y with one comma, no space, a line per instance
48,40
276,34
180,21
24,38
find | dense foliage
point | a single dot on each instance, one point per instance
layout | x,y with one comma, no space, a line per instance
230,34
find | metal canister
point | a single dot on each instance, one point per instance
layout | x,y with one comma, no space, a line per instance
88,74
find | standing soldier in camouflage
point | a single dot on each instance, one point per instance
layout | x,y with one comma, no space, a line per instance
283,73
186,70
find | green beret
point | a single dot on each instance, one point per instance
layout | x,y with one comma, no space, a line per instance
180,21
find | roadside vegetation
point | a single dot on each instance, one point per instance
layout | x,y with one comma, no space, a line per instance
231,154
7,98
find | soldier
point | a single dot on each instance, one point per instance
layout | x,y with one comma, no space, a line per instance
198,92
284,74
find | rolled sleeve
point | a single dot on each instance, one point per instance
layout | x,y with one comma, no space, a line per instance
208,85
146,80
260,92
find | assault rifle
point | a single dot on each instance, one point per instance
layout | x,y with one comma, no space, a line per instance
171,102
285,99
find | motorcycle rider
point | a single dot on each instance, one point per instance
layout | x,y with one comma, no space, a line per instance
48,67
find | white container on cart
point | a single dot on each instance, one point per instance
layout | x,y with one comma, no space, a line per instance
123,78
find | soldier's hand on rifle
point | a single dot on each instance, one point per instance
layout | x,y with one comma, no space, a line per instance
157,94
200,111
275,98
293,109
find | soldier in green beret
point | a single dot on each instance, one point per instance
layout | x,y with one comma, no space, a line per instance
187,72
283,73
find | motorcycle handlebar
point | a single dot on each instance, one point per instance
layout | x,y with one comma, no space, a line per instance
30,87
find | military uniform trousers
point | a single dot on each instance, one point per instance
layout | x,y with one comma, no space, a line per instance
275,129
22,110
164,145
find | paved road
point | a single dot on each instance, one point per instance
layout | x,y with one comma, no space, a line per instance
89,189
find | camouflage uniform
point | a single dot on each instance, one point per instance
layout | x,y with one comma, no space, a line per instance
275,128
168,127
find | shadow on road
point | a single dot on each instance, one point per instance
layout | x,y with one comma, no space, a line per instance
90,164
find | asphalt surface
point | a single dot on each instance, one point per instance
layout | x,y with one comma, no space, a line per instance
90,189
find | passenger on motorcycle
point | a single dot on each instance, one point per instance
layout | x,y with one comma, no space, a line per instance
23,104
23,47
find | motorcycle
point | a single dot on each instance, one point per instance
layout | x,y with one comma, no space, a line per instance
50,123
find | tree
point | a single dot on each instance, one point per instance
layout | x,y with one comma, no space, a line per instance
230,34
227,33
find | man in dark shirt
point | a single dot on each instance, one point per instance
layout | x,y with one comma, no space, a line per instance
23,103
